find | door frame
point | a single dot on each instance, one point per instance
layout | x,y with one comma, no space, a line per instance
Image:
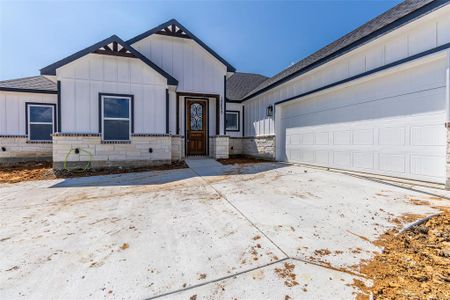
200,99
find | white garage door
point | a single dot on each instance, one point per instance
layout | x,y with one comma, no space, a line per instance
392,125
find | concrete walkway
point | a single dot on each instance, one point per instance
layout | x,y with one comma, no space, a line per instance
205,165
263,231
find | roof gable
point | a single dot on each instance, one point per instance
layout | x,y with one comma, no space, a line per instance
175,29
110,46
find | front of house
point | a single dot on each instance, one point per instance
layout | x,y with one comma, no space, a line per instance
374,101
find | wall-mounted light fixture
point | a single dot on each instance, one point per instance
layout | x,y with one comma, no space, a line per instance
269,111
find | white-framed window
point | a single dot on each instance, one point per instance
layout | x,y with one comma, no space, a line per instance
116,114
41,121
232,120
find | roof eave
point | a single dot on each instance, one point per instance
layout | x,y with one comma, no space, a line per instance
372,36
20,90
51,69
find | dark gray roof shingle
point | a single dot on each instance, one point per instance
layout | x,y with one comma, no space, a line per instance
328,52
34,83
239,84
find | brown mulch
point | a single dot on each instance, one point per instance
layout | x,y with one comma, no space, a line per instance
242,160
44,171
414,264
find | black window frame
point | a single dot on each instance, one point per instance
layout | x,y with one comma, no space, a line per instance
28,122
101,98
238,120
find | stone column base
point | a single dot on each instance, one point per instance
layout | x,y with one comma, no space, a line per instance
177,148
219,146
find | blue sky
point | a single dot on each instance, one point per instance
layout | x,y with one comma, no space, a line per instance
254,36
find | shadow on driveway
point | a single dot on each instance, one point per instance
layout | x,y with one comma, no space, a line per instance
164,177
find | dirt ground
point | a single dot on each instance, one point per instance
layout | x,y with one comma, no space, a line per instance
26,172
43,171
265,232
415,264
240,160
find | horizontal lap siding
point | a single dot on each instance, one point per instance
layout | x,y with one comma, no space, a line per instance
84,79
391,124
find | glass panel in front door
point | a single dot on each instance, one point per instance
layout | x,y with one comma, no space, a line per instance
196,117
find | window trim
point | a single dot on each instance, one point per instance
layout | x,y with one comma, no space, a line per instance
28,122
238,120
130,118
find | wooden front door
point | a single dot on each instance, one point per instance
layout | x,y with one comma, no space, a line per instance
196,126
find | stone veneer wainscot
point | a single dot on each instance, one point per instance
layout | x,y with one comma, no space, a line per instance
141,150
256,146
17,148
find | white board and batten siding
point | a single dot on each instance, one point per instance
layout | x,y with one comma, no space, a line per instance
196,70
391,123
83,80
426,33
12,110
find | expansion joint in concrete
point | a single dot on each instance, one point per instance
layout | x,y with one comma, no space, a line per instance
217,279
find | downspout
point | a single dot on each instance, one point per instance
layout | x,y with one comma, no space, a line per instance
447,92
224,103
447,120
58,109
167,111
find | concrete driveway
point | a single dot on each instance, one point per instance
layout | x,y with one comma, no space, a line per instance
263,231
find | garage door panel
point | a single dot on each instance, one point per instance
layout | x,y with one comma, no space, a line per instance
410,147
390,136
322,157
342,159
430,165
308,138
390,125
322,138
342,137
392,162
308,156
363,137
430,135
363,160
